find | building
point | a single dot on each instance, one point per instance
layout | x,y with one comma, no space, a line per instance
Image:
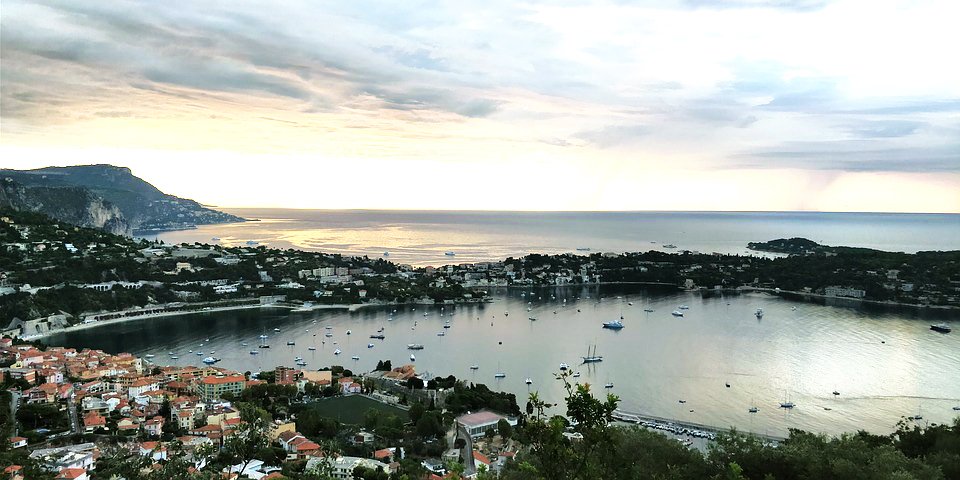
286,375
343,466
477,424
214,387
834,291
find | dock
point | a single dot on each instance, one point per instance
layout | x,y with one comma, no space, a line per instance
639,418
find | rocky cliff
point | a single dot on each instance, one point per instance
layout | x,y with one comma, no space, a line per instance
102,196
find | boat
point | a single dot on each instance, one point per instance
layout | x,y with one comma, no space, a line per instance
506,314
576,375
174,357
349,332
378,337
328,334
836,393
215,239
336,352
754,410
669,245
564,367
681,401
592,357
170,353
276,329
381,330
386,254
759,313
355,357
302,363
199,354
683,307
532,319
311,348
291,342
328,327
446,326
449,254
630,303
941,327
441,333
264,346
263,336
369,345
608,385
210,360
254,352
414,346
474,367
787,403
957,408
613,325
413,358
583,249
499,375
244,344
528,381
150,355
676,313
252,242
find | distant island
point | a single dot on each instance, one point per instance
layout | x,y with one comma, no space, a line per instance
54,276
103,196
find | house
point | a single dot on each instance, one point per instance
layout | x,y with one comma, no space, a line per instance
72,474
93,421
17,442
154,426
155,450
477,423
214,387
347,385
297,446
13,472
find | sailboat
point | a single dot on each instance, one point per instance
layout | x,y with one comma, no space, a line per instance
592,357
499,373
787,403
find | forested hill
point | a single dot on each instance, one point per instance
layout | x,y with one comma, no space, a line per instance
102,196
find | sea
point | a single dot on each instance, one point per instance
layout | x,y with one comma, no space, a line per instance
883,361
426,237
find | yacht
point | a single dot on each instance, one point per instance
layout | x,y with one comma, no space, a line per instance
414,346
174,357
608,385
564,367
254,352
683,307
210,360
533,319
759,313
328,334
474,367
301,363
613,325
355,357
528,381
441,333
336,352
311,348
941,327
413,358
576,375
276,329
499,375
369,345
669,245
150,355
648,310
378,336
263,336
449,254
676,313
291,342
349,332
754,410
592,357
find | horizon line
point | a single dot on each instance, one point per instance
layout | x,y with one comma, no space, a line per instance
567,211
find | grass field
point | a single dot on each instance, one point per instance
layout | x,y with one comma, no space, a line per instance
350,409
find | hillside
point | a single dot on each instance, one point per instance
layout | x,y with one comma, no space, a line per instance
102,196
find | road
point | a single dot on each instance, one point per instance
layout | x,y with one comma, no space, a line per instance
74,418
14,405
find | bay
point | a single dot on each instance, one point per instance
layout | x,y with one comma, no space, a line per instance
885,362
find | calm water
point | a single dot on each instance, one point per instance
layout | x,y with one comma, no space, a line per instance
421,238
803,353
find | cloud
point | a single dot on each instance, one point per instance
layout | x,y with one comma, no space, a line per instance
853,156
614,135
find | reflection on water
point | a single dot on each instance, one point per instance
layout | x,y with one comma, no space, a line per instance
885,364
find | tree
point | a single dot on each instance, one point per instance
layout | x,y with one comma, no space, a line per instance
415,412
504,429
246,443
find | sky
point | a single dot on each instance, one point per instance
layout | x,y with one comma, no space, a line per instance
500,105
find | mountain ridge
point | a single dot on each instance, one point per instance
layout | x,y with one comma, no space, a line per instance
103,196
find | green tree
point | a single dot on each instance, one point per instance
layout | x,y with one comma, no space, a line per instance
504,429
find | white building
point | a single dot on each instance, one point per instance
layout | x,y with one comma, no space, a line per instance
478,423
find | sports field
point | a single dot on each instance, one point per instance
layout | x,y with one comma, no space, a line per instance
350,409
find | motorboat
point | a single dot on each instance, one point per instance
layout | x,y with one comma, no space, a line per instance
276,329
311,348
474,367
528,381
941,327
414,346
328,334
441,333
759,313
613,325
291,342
449,254
499,375
349,332
254,352
648,310
683,307
336,352
676,313
787,404
754,410
174,357
532,319
369,345
564,367
378,337
608,385
355,357
413,358
576,374
150,355
263,346
210,360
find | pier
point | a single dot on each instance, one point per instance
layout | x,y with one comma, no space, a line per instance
639,418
